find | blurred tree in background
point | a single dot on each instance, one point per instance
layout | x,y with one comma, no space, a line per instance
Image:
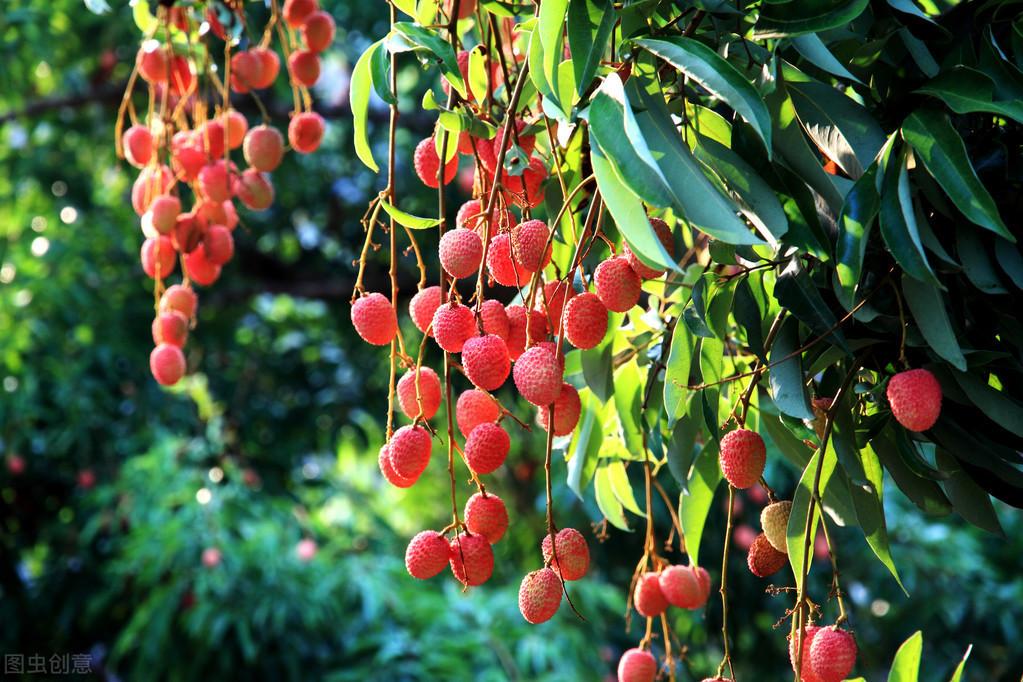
162,531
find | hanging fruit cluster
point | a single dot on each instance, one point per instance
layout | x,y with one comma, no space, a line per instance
197,63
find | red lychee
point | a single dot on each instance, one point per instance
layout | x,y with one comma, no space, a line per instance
486,516
474,408
425,393
742,457
472,559
529,244
703,580
566,411
573,553
158,257
500,265
423,306
305,131
153,181
215,181
167,363
453,325
318,31
472,216
199,268
297,12
387,469
137,142
494,318
163,214
181,298
304,66
647,597
255,190
617,284
427,555
517,323
680,587
551,302
637,665
461,251
170,327
246,69
427,164
269,67
806,672
763,559
537,376
218,244
486,448
263,148
485,360
832,654
539,595
915,398
409,451
585,321
374,319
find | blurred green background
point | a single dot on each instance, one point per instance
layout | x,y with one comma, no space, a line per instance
112,489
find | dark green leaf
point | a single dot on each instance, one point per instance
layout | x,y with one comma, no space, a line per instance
430,40
977,264
862,204
814,49
898,221
927,305
1000,407
590,23
924,493
969,499
967,90
695,314
596,363
778,20
747,314
1010,260
694,505
795,290
786,375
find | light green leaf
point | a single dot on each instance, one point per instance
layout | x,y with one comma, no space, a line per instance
406,6
428,39
407,219
596,363
694,505
621,487
868,499
359,89
609,505
586,443
676,373
928,308
906,666
479,78
958,674
628,386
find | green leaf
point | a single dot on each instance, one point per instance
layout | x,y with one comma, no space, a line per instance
999,406
621,487
898,221
676,373
918,51
1010,260
942,151
586,443
967,91
596,363
977,264
407,219
380,69
694,505
923,492
550,29
906,666
796,532
778,20
786,376
926,304
143,17
681,449
795,290
695,314
609,505
868,499
628,386
717,76
958,674
590,23
861,207
479,78
406,6
969,500
814,49
359,89
747,315
430,40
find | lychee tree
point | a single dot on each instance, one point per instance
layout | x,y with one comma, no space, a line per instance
695,227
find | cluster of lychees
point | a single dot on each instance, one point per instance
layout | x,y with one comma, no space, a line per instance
182,144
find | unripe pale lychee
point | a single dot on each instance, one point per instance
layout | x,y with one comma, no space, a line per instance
409,451
537,376
500,265
573,553
170,327
529,244
218,244
163,213
517,323
763,559
637,665
461,251
427,554
539,595
647,597
181,298
167,363
486,516
305,132
806,672
137,143
153,181
617,284
566,411
742,457
472,559
915,398
680,587
585,321
387,469
423,306
427,164
664,234
551,302
774,519
485,360
374,319
832,654
486,448
158,257
318,31
453,325
263,148
424,392
474,408
494,318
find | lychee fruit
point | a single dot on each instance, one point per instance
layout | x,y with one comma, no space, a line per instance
485,360
255,190
529,242
269,67
742,457
915,398
832,654
680,587
306,548
218,244
472,216
304,66
318,31
703,580
137,143
170,327
423,306
167,363
573,553
763,559
486,448
566,411
537,376
637,665
806,672
236,127
213,139
153,181
152,62
297,12
648,597
374,319
526,190
263,148
474,408
181,298
305,132
461,251
427,164
517,323
427,554
472,559
486,515
453,325
419,398
163,213
539,595
158,257
551,302
387,469
664,234
774,519
246,69
585,321
409,451
494,318
215,181
500,265
617,284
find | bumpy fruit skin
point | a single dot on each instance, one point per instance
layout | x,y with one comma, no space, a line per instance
774,519
427,554
703,580
485,360
318,31
494,318
486,516
137,142
181,298
742,457
529,244
410,451
427,164
680,587
472,215
423,306
566,411
915,398
500,265
537,376
474,408
617,284
461,251
763,559
453,325
263,148
551,302
806,672
374,319
427,392
539,595
170,327
573,553
526,189
833,654
517,323
387,469
167,363
585,321
487,447
637,665
664,235
472,559
305,132
648,598
297,12
158,257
